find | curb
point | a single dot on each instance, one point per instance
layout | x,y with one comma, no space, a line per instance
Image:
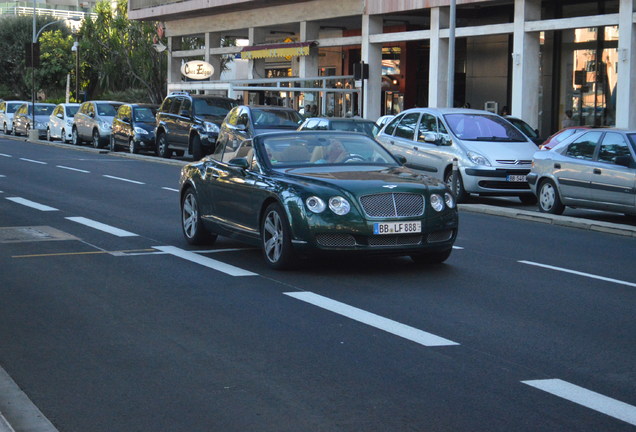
566,221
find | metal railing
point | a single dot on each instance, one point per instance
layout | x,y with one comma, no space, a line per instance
53,13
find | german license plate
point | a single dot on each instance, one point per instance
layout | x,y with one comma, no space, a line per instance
397,227
516,178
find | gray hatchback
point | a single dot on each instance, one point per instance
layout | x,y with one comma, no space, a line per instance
595,169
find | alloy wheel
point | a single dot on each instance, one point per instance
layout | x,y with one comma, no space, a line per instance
273,236
190,216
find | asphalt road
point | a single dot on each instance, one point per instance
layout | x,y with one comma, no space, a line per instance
110,321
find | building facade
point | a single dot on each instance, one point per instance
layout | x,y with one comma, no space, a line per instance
549,62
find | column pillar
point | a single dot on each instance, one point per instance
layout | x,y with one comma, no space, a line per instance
174,64
256,68
438,69
526,63
372,54
308,66
626,83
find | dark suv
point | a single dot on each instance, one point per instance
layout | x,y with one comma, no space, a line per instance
190,122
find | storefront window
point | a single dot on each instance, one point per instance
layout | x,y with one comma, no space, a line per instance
591,57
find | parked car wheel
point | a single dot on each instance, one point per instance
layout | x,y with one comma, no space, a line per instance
197,148
460,194
63,137
132,146
193,229
431,257
276,238
5,129
96,140
48,135
549,200
112,146
162,147
75,137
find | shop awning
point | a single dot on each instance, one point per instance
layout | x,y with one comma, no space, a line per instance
292,49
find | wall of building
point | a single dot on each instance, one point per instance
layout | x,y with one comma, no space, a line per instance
487,70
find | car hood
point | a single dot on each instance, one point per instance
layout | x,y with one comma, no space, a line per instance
212,119
363,179
502,150
150,127
41,118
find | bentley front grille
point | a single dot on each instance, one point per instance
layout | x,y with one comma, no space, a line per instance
336,240
387,205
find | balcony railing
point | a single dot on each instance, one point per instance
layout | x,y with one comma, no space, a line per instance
53,13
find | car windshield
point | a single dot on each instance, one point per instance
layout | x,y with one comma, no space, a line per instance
44,109
144,115
213,107
366,127
107,109
313,149
71,111
483,127
275,118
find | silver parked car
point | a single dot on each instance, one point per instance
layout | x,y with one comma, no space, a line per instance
595,169
94,122
61,122
7,111
493,156
23,119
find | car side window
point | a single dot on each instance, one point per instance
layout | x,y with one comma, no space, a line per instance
218,152
613,146
165,106
390,128
584,146
406,128
186,105
428,124
176,104
91,109
2,107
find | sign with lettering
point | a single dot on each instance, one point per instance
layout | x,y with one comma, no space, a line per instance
197,70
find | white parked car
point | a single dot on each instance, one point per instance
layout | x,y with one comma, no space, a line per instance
7,110
493,156
61,122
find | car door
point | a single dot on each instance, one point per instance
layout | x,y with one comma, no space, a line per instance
19,123
610,182
432,141
183,122
120,123
83,118
575,169
402,141
55,121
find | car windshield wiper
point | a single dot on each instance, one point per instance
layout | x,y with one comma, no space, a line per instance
494,138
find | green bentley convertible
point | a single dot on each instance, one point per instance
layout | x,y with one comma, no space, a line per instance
299,193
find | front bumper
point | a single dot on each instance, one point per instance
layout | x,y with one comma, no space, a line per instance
145,141
494,181
439,232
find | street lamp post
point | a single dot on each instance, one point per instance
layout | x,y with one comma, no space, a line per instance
75,49
36,35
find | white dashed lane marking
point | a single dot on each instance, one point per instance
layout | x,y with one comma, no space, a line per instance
33,161
101,227
204,261
73,169
31,204
373,320
586,398
589,275
170,189
123,179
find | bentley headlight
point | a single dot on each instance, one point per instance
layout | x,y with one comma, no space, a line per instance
478,159
140,131
339,205
449,200
315,204
437,202
211,127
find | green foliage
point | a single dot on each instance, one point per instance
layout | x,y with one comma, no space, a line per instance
118,54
